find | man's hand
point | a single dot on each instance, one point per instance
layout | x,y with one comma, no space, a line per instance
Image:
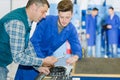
87,36
72,60
49,61
109,26
44,70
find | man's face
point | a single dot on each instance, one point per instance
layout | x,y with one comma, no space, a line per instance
95,12
64,18
111,12
40,12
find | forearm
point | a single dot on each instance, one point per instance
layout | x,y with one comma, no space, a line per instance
16,32
26,57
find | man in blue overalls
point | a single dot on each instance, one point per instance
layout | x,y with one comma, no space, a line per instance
91,25
112,22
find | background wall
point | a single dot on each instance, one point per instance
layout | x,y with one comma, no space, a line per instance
4,7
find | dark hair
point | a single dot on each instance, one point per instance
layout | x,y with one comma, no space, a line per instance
95,9
65,5
111,8
37,2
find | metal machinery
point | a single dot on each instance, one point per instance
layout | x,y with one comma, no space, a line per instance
58,73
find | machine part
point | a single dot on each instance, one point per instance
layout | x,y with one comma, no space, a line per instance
40,77
57,73
60,73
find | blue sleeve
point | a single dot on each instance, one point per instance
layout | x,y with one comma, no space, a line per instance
75,43
117,22
37,37
87,25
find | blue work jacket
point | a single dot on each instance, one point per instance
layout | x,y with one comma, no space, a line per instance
112,34
46,38
91,25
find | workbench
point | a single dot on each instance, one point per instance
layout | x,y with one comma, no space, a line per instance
104,68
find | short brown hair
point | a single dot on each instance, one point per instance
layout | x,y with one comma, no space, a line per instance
111,8
95,9
65,5
37,2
